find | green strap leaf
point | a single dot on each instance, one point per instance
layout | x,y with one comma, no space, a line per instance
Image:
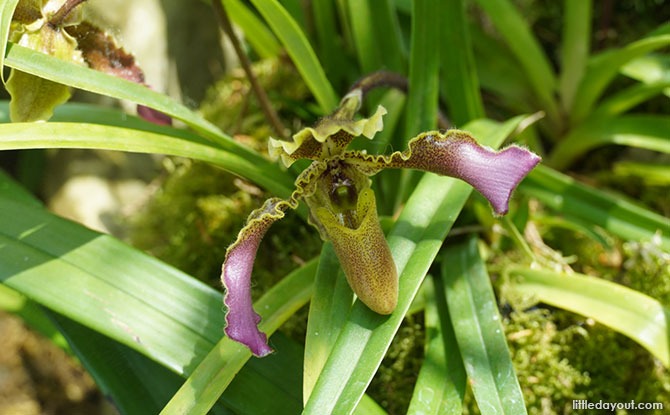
602,68
575,48
131,298
327,314
67,73
6,13
255,32
642,131
422,100
440,387
514,29
76,135
300,51
586,203
481,337
377,35
627,311
460,84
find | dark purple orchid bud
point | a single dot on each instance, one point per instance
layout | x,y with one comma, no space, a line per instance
101,53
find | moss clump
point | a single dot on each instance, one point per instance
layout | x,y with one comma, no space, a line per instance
560,356
540,350
232,105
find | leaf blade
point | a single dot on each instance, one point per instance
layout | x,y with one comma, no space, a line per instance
479,332
627,311
300,51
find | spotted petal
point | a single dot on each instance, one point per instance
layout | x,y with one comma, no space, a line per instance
495,174
328,138
241,319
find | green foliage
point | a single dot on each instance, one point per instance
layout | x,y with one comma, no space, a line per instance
600,90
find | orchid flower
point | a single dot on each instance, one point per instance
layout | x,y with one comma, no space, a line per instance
336,188
59,28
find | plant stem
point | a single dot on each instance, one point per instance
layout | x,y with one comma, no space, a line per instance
392,80
265,104
57,19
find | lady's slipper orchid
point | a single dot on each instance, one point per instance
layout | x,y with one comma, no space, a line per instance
336,188
58,28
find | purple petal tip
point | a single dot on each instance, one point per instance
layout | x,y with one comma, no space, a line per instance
241,319
153,116
496,174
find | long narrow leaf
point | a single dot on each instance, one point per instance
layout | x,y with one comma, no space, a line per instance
627,311
649,68
603,68
377,35
422,100
122,294
479,331
32,314
586,203
440,387
460,84
300,51
414,241
67,73
329,40
575,47
327,314
498,72
630,97
6,13
136,384
367,50
76,135
650,132
255,32
514,29
424,66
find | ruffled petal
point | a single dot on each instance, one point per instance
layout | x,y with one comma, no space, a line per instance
241,319
495,174
328,138
364,254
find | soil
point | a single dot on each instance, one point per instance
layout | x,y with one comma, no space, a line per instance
38,378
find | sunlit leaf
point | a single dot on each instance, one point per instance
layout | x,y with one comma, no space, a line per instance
642,131
478,328
586,203
300,51
627,311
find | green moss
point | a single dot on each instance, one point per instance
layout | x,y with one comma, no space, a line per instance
560,356
232,105
539,351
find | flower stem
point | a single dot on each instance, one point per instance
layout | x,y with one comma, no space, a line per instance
57,19
265,104
392,80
